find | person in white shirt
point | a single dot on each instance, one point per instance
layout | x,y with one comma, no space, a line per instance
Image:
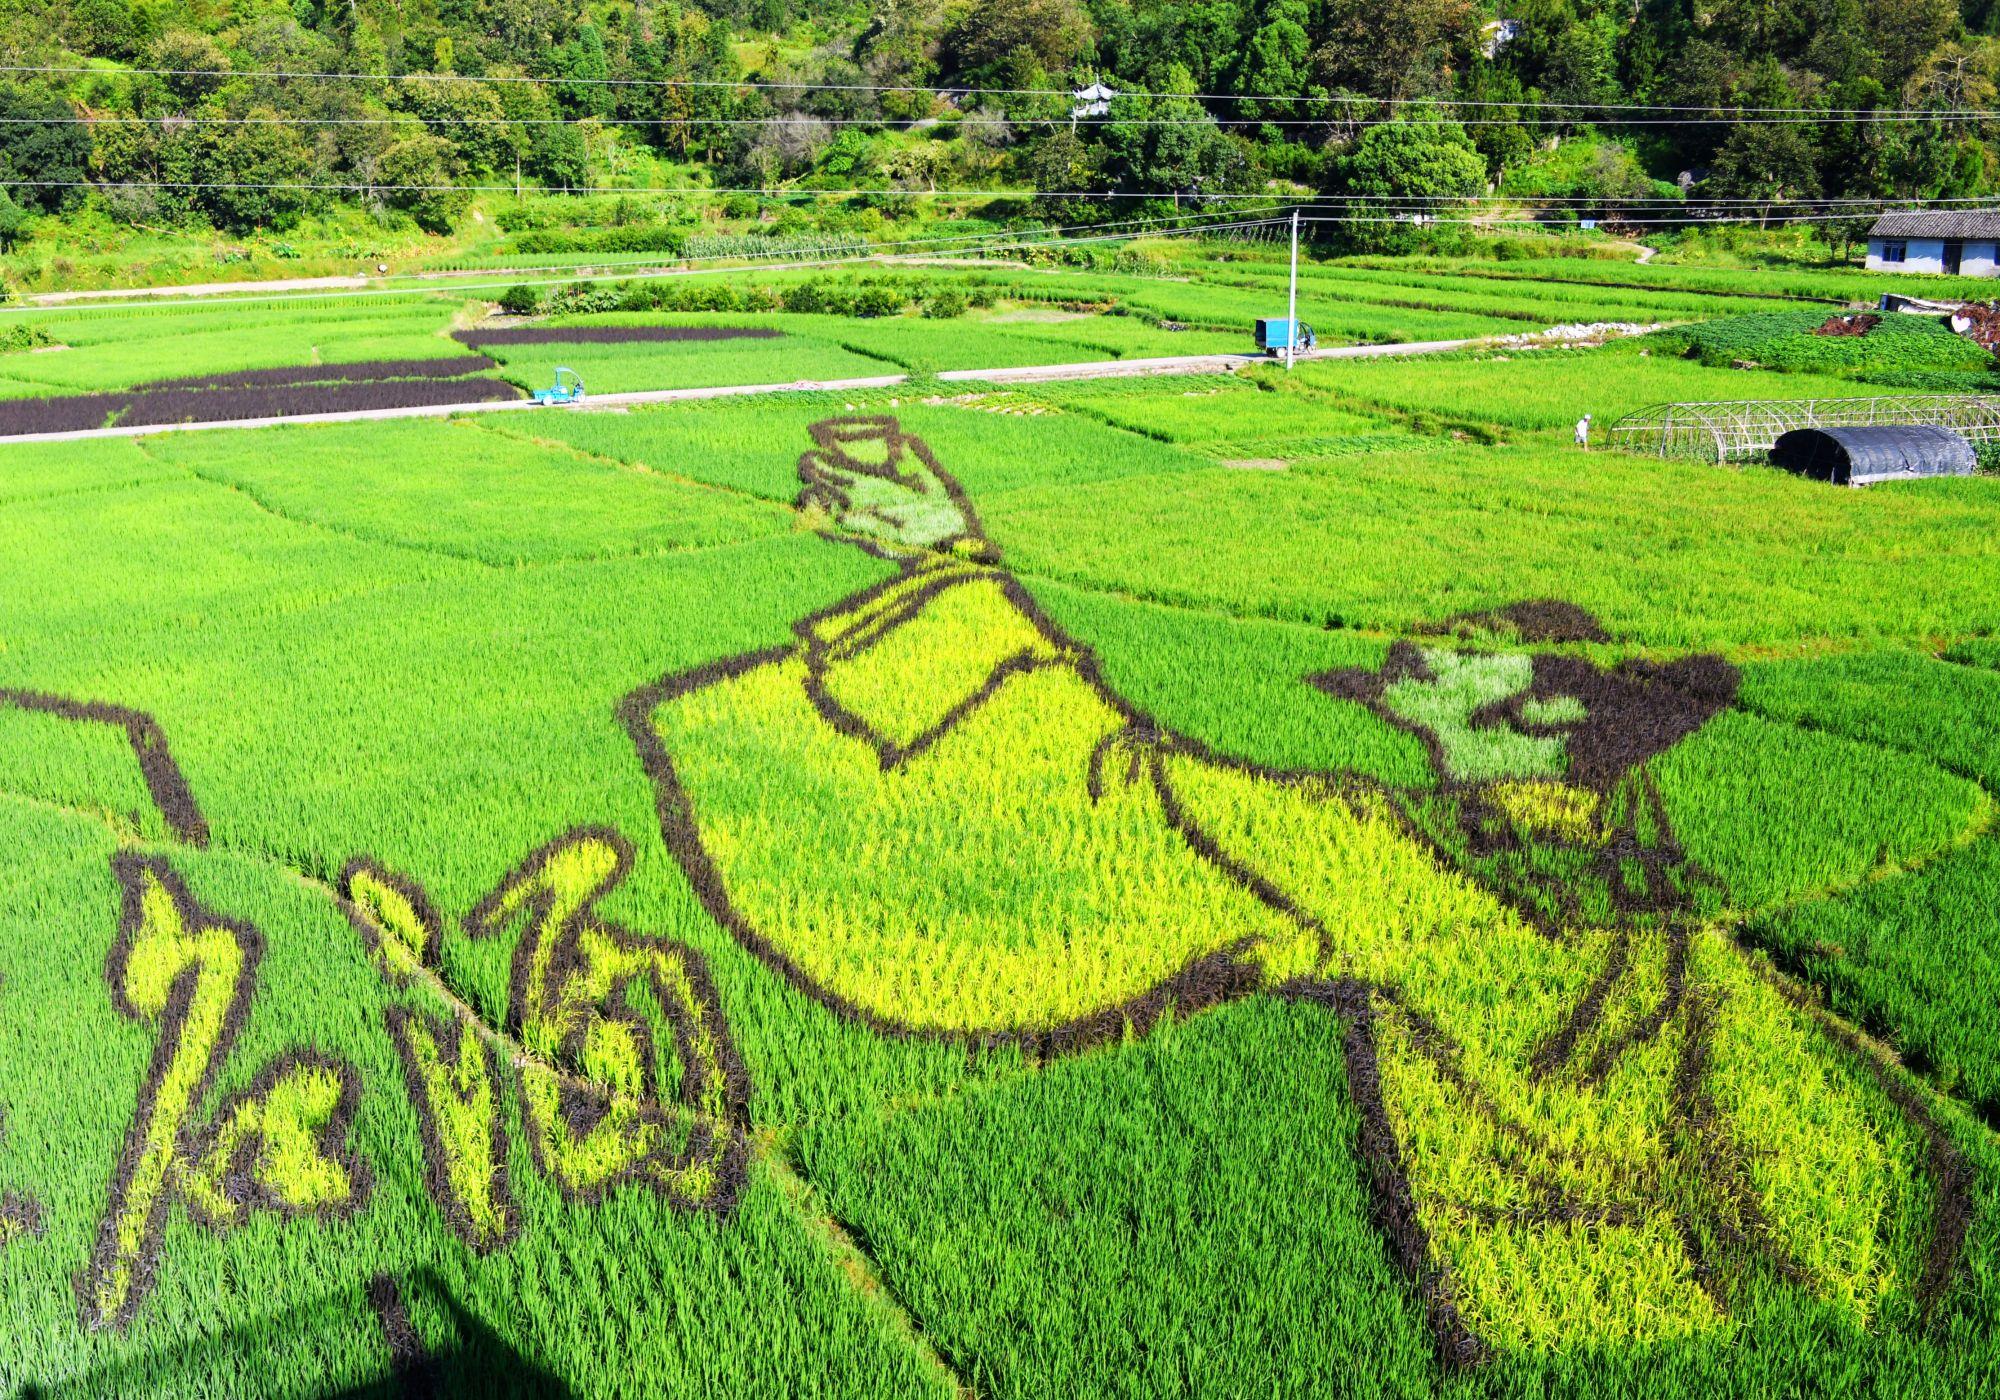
1583,432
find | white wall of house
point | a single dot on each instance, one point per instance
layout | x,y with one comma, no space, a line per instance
1919,255
1980,258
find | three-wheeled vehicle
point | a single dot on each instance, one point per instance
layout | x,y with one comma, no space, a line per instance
1276,334
568,388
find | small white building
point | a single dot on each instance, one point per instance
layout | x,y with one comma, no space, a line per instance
1092,101
1497,34
1957,242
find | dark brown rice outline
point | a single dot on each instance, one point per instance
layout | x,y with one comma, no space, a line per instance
444,1030
161,407
1534,620
132,870
583,1103
409,1358
824,489
1213,979
165,783
1716,686
238,1180
413,893
1952,1174
447,1036
1394,1206
353,372
19,1215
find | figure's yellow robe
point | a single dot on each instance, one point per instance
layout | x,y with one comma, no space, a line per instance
931,812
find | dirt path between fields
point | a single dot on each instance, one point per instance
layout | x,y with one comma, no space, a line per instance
1018,374
1030,374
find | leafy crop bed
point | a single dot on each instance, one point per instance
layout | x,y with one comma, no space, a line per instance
1227,886
1797,340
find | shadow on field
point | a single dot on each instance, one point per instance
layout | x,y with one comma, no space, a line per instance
432,1345
464,1357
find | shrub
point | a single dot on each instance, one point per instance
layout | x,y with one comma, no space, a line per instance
520,300
24,336
945,305
876,301
803,298
582,298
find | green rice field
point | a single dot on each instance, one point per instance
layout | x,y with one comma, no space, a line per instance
1207,885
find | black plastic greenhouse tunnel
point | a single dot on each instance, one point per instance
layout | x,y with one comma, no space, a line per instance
1860,456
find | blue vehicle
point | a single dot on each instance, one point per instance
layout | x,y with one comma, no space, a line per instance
1276,334
561,392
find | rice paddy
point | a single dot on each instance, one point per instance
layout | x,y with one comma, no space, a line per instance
975,890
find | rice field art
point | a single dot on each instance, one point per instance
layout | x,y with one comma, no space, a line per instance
692,901
1566,1124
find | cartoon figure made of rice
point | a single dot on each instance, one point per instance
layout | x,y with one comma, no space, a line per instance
1588,1116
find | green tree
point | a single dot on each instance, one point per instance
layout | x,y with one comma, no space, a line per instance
416,177
558,156
1393,51
1063,167
1170,145
191,65
106,28
41,143
1000,40
1277,57
257,175
13,223
469,117
1906,32
581,67
1413,173
1509,138
1769,161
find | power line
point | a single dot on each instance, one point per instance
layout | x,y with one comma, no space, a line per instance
1678,113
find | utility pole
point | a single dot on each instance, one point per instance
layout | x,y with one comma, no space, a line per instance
1292,300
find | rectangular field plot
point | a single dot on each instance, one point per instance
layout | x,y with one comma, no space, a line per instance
462,491
1666,554
115,348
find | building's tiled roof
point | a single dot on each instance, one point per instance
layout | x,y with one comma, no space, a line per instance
1938,223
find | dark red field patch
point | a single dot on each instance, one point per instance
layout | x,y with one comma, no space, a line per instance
607,335
440,367
150,407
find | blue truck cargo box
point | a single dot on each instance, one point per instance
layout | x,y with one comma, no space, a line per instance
1275,333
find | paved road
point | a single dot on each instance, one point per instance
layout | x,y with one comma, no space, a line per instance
1019,374
201,289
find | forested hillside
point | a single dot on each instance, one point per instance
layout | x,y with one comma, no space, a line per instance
188,116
